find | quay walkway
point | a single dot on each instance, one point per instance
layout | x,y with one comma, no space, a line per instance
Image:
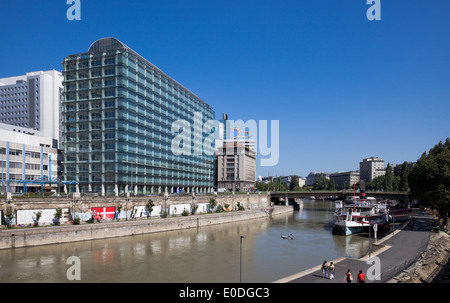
396,251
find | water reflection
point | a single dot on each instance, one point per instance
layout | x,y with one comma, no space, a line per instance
208,254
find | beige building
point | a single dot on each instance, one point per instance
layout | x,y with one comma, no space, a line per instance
370,168
236,166
346,178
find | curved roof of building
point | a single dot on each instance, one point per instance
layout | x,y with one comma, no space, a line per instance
109,43
106,44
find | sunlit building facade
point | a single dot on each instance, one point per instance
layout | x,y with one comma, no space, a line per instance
118,112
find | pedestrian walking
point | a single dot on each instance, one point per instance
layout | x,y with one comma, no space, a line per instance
361,277
331,271
348,277
324,269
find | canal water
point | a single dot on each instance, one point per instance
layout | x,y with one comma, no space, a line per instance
206,254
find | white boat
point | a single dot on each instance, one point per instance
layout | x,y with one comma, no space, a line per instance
358,216
354,199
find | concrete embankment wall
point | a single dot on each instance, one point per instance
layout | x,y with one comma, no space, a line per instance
24,209
14,238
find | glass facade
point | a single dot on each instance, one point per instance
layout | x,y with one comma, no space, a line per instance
117,114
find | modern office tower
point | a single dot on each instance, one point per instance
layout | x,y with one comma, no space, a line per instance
235,167
26,160
33,101
370,168
118,112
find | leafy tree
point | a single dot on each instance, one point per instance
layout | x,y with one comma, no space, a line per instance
149,207
294,183
376,183
388,178
429,179
272,186
57,216
10,216
212,204
38,216
322,183
403,183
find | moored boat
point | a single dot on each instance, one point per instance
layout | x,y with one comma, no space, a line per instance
358,216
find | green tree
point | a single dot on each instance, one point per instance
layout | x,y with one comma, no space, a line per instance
294,183
149,207
212,204
403,183
376,183
429,179
322,183
38,216
388,178
57,216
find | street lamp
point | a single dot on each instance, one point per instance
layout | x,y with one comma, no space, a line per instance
240,262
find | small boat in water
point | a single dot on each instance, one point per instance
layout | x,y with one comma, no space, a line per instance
290,237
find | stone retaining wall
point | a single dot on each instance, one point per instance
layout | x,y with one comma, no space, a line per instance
24,237
84,205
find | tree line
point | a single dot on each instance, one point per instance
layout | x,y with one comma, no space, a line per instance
429,179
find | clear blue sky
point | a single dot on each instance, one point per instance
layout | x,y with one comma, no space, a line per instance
343,88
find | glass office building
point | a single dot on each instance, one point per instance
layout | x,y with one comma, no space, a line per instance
117,117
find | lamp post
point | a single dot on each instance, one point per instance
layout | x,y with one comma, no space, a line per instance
240,257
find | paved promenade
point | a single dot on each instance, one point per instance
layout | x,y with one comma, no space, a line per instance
396,251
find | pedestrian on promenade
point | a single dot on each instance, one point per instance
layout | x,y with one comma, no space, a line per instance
361,277
324,269
331,270
348,277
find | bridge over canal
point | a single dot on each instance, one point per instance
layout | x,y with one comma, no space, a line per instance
288,197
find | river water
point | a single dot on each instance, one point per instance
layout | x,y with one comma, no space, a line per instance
206,254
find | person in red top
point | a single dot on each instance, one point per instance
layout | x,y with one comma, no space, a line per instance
361,277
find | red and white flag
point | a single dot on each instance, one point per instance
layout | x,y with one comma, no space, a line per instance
107,213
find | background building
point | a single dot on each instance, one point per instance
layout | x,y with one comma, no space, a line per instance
235,159
370,168
347,178
118,112
397,168
33,101
27,159
311,178
235,167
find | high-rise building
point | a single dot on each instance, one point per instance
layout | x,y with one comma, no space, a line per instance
33,101
235,166
370,168
118,114
235,158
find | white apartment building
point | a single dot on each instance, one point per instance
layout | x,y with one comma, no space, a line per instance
33,101
370,168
